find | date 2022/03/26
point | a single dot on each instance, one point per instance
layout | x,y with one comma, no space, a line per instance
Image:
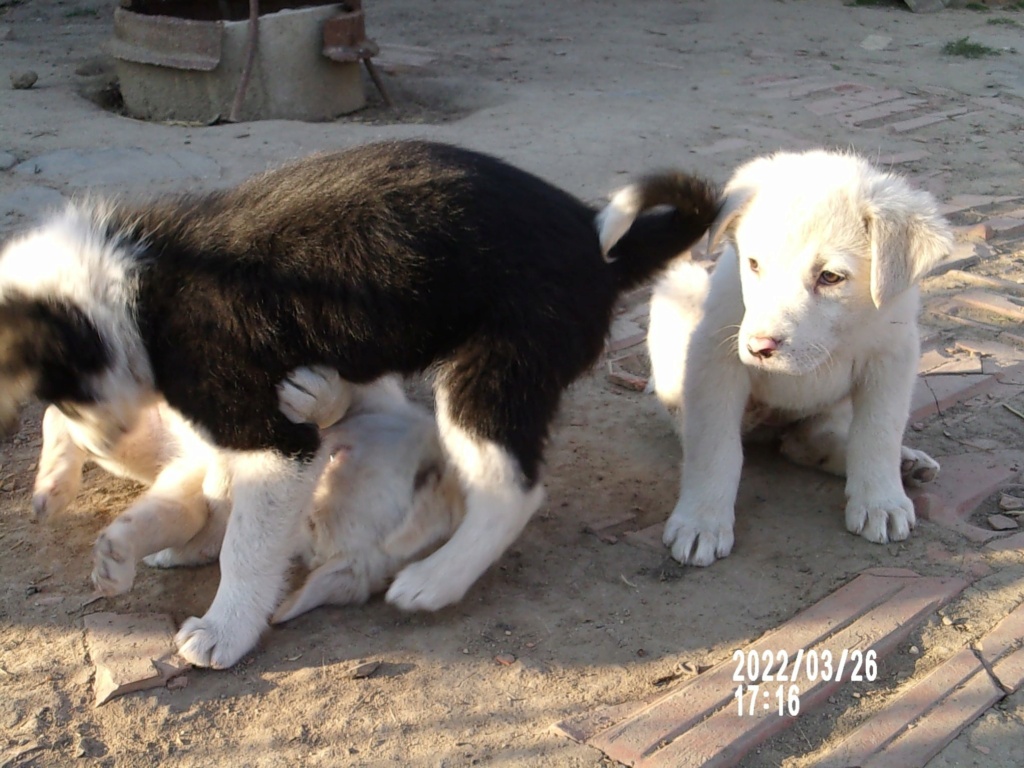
770,681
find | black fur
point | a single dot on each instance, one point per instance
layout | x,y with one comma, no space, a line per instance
391,257
52,342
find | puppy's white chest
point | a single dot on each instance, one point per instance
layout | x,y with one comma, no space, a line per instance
803,395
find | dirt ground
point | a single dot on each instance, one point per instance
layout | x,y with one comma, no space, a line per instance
583,93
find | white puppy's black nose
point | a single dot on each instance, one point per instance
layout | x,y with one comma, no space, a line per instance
763,347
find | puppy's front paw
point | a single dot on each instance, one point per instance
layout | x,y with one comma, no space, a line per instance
917,467
698,537
314,395
881,520
53,493
113,570
206,643
426,586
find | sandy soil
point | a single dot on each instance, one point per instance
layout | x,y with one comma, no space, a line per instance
582,93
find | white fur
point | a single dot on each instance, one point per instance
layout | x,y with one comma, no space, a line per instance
72,257
843,373
367,519
498,507
615,219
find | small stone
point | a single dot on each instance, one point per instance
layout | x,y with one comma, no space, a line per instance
856,695
1002,523
946,621
7,161
362,669
505,659
1009,503
917,426
980,231
21,81
914,650
983,750
875,42
531,645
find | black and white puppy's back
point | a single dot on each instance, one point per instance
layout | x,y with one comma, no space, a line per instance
387,258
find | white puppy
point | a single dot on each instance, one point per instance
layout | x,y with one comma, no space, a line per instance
809,323
387,494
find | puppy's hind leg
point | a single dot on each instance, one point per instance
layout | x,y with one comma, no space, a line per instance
820,442
336,582
917,467
501,494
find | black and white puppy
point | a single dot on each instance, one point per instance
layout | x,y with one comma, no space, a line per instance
392,257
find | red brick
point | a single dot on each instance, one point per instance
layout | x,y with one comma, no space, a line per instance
721,740
915,747
1003,637
1005,225
934,394
991,302
1008,544
873,735
965,202
999,106
880,111
706,692
850,103
964,482
796,89
905,126
1009,671
873,610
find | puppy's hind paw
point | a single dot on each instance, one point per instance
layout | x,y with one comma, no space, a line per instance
424,587
881,520
113,571
206,644
917,467
698,541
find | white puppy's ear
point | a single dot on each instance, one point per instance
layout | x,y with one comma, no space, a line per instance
908,237
735,201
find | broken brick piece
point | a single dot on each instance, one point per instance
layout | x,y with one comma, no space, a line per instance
131,652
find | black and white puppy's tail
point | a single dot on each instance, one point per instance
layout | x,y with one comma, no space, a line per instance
637,245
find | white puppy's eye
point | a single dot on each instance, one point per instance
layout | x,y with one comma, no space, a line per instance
830,278
754,266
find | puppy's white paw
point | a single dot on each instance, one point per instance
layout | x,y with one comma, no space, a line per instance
698,538
113,570
426,586
206,643
314,395
174,557
917,467
881,520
